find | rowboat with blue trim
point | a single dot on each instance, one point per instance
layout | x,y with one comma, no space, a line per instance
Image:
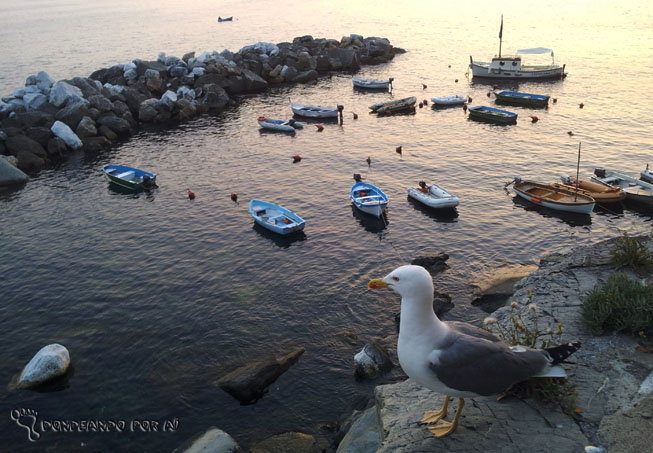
519,98
485,113
275,218
368,198
447,101
313,111
129,177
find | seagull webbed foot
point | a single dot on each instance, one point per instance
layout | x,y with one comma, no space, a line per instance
434,416
444,428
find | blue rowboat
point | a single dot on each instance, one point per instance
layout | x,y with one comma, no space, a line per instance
129,177
371,84
225,19
485,113
275,218
368,198
518,98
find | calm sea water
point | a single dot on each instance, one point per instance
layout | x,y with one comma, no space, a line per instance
156,296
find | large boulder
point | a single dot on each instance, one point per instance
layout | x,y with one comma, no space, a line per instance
214,98
373,361
95,144
86,128
340,59
89,87
133,99
19,143
250,382
65,133
214,440
100,102
292,442
39,134
185,109
56,147
253,82
73,113
34,101
62,92
148,110
304,77
117,125
9,174
41,80
29,161
435,263
34,119
50,362
168,100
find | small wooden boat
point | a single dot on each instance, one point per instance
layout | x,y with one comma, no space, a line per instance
368,198
485,113
646,175
636,190
397,105
275,218
518,98
557,198
225,19
371,84
447,101
279,125
433,196
600,192
312,111
129,177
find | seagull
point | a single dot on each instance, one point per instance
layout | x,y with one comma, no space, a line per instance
454,358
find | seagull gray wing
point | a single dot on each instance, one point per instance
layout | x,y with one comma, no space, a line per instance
477,365
469,329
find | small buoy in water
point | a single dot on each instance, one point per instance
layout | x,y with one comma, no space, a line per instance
320,128
191,194
449,66
534,119
355,116
489,93
456,80
469,99
581,105
570,133
425,102
398,150
234,196
296,158
424,86
421,104
464,107
555,100
369,161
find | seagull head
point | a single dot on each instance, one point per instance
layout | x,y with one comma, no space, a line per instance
410,282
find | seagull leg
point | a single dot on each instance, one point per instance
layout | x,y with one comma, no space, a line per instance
434,416
444,428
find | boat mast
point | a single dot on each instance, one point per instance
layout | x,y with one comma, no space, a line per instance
500,35
577,171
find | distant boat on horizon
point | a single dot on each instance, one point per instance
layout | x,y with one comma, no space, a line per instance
225,19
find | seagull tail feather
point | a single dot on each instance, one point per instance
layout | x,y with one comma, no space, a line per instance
559,354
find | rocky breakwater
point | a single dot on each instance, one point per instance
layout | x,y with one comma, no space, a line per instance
45,120
610,405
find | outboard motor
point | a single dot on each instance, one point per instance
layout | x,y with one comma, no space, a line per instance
422,184
600,172
357,177
566,179
148,183
391,79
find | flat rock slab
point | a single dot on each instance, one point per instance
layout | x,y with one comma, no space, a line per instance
510,425
629,431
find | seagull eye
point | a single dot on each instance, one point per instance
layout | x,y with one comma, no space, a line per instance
395,279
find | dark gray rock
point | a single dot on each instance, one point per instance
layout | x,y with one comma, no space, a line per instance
34,119
214,98
57,147
29,161
101,103
10,175
343,59
19,143
143,66
210,79
119,108
372,361
93,113
86,85
364,436
433,263
39,134
177,71
112,75
306,76
148,110
185,110
86,128
133,99
117,125
253,82
108,133
249,383
50,362
95,144
73,113
292,442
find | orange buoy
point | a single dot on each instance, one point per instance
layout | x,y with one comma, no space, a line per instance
555,100
398,150
456,80
320,128
489,93
191,195
355,116
464,107
421,104
369,161
296,158
581,105
234,196
534,119
425,102
424,87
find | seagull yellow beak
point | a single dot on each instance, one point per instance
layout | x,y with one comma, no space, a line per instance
377,283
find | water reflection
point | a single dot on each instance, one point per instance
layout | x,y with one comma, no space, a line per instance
571,219
369,222
282,241
448,215
270,132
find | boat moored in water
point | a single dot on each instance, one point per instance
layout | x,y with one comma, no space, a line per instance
433,196
558,198
368,198
518,98
371,84
600,192
130,178
491,114
398,105
636,190
447,101
275,218
279,125
313,111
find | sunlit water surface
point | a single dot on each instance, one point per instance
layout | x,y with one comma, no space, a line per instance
156,296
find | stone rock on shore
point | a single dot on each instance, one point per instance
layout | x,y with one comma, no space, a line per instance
250,382
292,442
9,174
372,361
66,134
214,440
50,362
62,92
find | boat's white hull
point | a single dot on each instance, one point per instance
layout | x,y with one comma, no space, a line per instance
449,100
482,70
376,209
436,198
310,111
647,175
371,84
576,209
636,190
276,127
